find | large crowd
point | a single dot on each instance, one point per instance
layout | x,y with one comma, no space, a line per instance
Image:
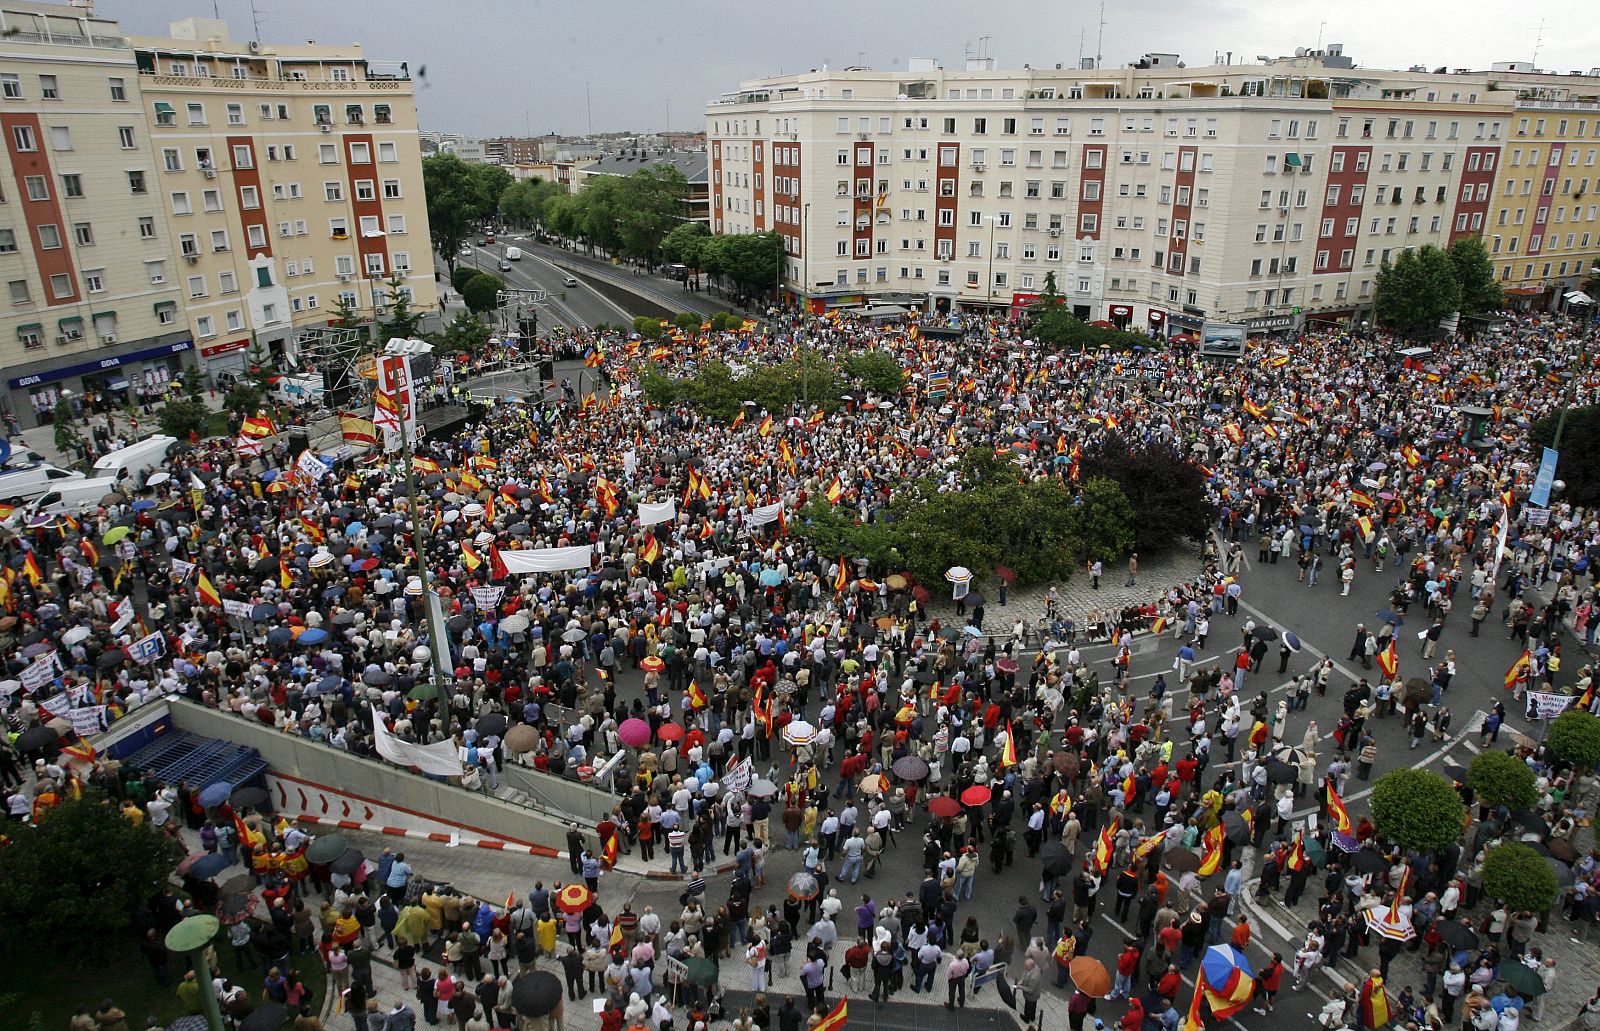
875,723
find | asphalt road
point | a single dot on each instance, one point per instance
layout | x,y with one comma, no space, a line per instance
571,307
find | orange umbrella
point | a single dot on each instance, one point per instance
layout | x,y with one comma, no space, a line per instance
652,664
574,898
1090,975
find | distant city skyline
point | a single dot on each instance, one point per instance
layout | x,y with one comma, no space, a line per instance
645,67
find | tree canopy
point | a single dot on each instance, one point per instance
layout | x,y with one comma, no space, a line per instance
1417,808
1579,465
1575,736
748,260
1500,779
1480,291
525,201
686,244
1517,874
1167,492
1417,290
459,197
482,292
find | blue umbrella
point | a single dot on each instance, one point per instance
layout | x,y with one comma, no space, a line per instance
1292,641
316,635
1388,617
209,866
261,613
279,635
971,631
269,476
354,529
304,549
771,578
143,504
215,794
325,685
333,592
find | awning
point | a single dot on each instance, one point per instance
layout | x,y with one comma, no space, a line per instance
373,234
1291,160
62,322
164,304
1526,291
1579,297
163,108
29,325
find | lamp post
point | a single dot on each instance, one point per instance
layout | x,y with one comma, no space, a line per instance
189,938
805,259
988,287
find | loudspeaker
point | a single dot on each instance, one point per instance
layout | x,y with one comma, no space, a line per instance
547,371
299,441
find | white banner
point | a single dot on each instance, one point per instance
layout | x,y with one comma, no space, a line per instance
56,705
487,598
147,649
89,720
651,514
548,560
310,466
234,607
442,759
763,515
737,776
1542,706
39,672
181,570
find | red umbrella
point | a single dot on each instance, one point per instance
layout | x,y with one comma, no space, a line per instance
976,795
652,664
921,452
921,594
574,898
669,732
1005,574
943,806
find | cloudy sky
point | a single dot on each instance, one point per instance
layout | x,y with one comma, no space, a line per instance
516,66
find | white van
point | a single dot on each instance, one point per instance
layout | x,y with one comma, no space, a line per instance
70,497
298,390
150,452
24,483
513,253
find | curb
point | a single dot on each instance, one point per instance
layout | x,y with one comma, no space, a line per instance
495,844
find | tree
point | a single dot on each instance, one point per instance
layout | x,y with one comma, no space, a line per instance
749,260
1579,465
652,206
461,275
687,321
1101,520
182,416
685,244
524,202
1417,291
1167,493
68,439
466,334
1575,736
345,313
244,399
74,880
1417,808
1516,874
404,320
458,198
647,327
482,292
878,371
1474,272
1499,779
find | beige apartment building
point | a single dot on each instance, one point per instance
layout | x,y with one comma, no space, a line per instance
92,302
290,177
1158,195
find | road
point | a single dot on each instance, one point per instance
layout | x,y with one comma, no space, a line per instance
578,307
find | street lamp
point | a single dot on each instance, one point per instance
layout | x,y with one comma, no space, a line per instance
189,938
988,287
805,258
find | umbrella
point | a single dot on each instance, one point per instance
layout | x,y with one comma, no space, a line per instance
1563,850
1235,828
1459,936
652,664
1368,861
956,574
215,794
279,635
574,635
911,767
1523,978
115,534
1005,664
1455,773
1054,858
1563,872
111,659
325,848
635,733
326,685
1182,860
1219,963
574,898
246,797
1280,772
492,725
1005,575
536,993
761,788
976,795
799,732
670,732
188,862
209,865
1344,842
521,738
515,623
975,599
1531,820
1388,617
1315,853
312,637
771,578
423,692
270,1017
238,907
262,613
874,784
803,885
375,678
896,582
702,971
1090,976
35,738
943,806
1400,931
348,862
1293,642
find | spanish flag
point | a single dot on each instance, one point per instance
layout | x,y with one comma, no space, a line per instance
1008,754
608,855
815,419
1375,1011
1337,812
1362,499
738,420
950,435
1233,432
1254,409
424,465
835,491
470,557
1159,625
31,570
841,580
837,1018
285,578
1105,847
256,427
1412,456
650,550
1211,859
208,594
765,429
1296,859
1518,670
1388,660
91,554
697,697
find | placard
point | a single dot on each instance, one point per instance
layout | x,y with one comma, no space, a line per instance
147,649
88,720
737,776
39,672
487,598
1544,706
235,607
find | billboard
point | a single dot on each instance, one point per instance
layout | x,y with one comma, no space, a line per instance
1222,340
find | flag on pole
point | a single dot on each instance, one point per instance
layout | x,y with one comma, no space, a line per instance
1211,860
835,491
1105,846
1008,754
650,550
841,580
1519,669
469,557
765,429
1337,812
837,1018
697,697
1149,845
31,570
1389,660
608,854
208,593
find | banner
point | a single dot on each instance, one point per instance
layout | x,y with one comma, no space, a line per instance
91,719
439,637
1542,706
442,759
147,649
181,571
356,429
57,705
764,515
39,672
1539,495
235,608
487,598
548,560
651,514
310,466
737,777
394,380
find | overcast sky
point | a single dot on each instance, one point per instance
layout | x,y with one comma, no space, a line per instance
510,67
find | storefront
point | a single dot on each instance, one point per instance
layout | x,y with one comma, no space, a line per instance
1158,322
1120,315
231,356
118,376
1184,322
1270,324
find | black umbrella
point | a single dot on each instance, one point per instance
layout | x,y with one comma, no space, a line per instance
1455,773
924,676
492,725
348,862
1563,872
1234,827
1054,858
911,767
245,798
35,738
1530,820
536,994
1457,935
1368,861
325,848
1266,633
458,623
1280,772
975,599
111,659
268,1018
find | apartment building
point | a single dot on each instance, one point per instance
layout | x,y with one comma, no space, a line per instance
1544,223
291,179
1158,195
92,301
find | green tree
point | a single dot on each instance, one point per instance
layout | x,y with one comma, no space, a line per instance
465,334
1417,291
687,321
685,244
715,391
1575,736
183,415
404,319
345,313
68,439
1101,520
482,293
1167,493
524,202
1474,272
461,275
1515,873
244,399
459,196
74,879
1417,808
878,371
663,391
749,260
652,206
1499,779
1049,300
1579,465
647,327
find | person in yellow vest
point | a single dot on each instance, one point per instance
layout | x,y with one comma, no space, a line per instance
545,933
132,813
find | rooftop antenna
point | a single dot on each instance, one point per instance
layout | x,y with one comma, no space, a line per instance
861,58
983,46
1100,38
1082,34
669,114
1320,26
255,20
1538,44
588,109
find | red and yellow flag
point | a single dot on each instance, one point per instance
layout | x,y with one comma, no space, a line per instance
1211,859
697,697
208,593
765,429
1008,754
470,558
1518,670
835,491
837,1018
1105,847
650,550
1337,812
1389,660
31,570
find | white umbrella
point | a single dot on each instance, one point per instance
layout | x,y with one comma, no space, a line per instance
515,623
958,574
799,732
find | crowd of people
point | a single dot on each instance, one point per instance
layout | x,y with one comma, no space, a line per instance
748,643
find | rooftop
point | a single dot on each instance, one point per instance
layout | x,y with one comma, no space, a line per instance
693,164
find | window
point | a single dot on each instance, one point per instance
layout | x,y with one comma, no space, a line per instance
1089,223
360,154
197,286
180,204
227,283
332,191
11,86
250,197
387,152
60,137
391,189
61,286
364,190
166,313
196,113
212,200
243,158
72,185
19,291
83,233
48,89
219,239
401,260
23,139
136,182
338,229
204,327
397,225
49,236
94,281
327,154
